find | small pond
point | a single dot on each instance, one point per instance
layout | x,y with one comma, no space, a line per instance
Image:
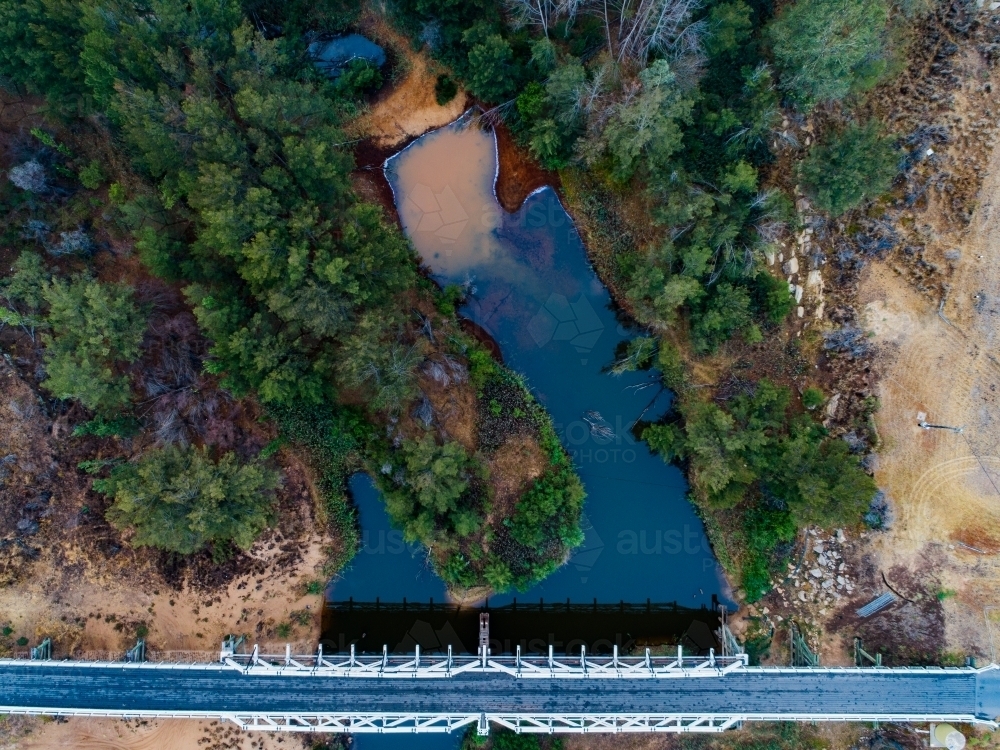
330,56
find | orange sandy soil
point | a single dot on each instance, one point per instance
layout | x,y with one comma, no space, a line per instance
408,108
941,366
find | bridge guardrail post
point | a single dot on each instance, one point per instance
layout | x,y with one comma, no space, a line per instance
552,666
449,659
137,654
43,651
385,660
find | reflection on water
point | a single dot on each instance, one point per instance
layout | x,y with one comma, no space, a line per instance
535,292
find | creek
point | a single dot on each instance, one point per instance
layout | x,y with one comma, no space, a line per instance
534,291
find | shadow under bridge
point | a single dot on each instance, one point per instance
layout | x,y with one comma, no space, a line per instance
534,626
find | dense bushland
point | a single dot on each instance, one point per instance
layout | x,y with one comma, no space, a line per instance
310,300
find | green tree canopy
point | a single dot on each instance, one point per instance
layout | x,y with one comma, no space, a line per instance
754,442
491,69
826,49
650,124
94,328
180,500
284,259
429,492
40,44
848,166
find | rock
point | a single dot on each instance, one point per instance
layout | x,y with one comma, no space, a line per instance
828,583
842,567
816,573
841,580
819,548
840,536
791,266
800,312
802,596
822,560
798,293
831,407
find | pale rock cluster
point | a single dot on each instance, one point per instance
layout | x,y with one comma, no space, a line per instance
823,577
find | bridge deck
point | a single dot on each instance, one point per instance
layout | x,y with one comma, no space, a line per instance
748,692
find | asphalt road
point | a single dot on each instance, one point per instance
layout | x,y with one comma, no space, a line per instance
752,692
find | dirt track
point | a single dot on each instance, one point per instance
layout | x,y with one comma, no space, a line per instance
941,367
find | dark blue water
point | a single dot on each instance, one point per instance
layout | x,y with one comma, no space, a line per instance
385,567
533,289
333,55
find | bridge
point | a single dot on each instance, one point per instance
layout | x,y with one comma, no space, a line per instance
390,693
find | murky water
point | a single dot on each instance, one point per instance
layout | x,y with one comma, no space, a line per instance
537,295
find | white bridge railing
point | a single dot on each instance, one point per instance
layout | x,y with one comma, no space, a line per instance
449,665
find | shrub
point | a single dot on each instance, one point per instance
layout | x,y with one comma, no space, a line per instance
726,312
671,366
180,500
550,509
812,397
771,297
94,328
764,529
846,167
91,176
120,427
445,89
356,78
